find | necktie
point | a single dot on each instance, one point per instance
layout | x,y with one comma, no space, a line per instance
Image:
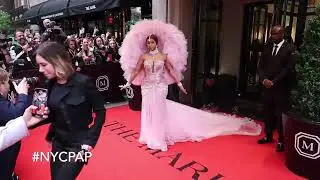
275,50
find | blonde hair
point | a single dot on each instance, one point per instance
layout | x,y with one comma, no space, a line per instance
60,59
63,70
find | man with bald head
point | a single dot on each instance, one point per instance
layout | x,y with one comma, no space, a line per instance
276,69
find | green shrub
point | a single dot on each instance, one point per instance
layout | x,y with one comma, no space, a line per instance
5,22
307,98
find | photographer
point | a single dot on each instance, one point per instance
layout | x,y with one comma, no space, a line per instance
53,32
22,51
10,110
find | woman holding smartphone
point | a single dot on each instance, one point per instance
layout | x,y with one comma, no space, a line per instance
72,97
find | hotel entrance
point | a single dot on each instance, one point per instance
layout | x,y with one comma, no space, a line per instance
258,20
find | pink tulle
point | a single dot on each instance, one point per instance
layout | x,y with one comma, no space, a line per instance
171,42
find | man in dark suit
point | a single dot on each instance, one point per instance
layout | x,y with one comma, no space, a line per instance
275,71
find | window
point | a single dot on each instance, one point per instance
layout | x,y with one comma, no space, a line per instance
210,22
207,34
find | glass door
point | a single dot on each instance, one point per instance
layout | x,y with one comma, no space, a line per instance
256,28
208,45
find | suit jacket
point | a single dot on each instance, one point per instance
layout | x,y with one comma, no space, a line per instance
280,68
70,123
12,132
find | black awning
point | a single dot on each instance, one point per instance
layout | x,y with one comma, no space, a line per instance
31,15
53,9
87,6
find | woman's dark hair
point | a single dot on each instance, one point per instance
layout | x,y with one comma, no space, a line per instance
95,41
152,36
57,55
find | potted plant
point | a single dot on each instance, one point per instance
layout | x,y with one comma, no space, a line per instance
302,123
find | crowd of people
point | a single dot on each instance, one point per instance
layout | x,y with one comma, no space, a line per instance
92,50
84,49
62,60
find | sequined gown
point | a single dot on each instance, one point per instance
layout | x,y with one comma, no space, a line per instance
164,122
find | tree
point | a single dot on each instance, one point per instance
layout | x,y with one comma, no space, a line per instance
307,99
5,22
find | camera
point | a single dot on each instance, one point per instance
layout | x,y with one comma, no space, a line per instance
54,33
30,80
52,29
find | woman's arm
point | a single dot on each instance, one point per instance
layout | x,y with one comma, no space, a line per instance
137,69
12,132
17,129
172,73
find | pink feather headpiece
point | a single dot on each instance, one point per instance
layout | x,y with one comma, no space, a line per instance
171,41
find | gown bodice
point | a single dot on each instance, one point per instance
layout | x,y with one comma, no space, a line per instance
154,71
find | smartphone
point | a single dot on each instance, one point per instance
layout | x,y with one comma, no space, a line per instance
40,98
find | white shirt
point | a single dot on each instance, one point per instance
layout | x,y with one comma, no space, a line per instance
12,132
279,46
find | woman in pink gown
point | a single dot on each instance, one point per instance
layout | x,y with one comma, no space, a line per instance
164,122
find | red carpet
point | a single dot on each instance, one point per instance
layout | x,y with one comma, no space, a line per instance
118,156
